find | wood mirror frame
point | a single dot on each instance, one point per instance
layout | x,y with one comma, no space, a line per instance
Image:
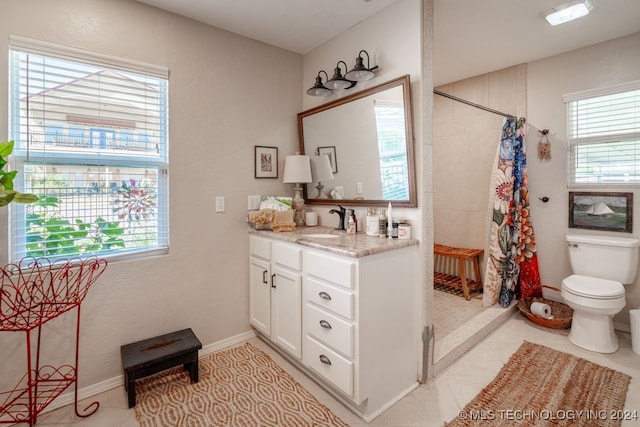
347,163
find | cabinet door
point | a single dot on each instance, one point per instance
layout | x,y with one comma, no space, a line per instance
260,295
287,310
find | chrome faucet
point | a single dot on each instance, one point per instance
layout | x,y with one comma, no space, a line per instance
342,214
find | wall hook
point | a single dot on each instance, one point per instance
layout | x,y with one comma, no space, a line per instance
544,199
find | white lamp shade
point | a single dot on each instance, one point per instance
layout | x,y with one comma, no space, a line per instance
297,169
321,168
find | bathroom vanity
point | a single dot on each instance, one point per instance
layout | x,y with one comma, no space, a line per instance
343,308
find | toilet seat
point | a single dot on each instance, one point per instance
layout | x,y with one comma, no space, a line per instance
593,287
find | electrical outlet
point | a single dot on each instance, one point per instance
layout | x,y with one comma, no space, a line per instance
253,203
219,203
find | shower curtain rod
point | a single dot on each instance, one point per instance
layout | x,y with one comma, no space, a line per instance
473,104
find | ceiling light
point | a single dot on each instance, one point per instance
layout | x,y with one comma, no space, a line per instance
568,12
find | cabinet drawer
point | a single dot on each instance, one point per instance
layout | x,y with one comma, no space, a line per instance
328,297
340,272
287,255
329,329
329,364
260,247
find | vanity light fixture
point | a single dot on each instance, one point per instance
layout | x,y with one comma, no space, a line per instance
318,88
359,72
338,81
568,12
321,171
297,170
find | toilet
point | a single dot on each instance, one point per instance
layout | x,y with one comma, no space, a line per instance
602,265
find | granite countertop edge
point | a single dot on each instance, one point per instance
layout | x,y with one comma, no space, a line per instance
352,245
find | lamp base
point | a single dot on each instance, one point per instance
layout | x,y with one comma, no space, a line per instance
321,193
298,205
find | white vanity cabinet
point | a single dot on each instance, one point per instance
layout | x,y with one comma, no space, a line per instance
352,322
275,279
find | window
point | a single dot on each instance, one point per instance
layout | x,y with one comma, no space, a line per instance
392,149
604,135
90,137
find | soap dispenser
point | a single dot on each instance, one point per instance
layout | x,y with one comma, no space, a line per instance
351,223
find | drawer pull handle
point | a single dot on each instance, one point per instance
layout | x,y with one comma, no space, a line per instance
324,295
264,277
324,359
273,276
325,324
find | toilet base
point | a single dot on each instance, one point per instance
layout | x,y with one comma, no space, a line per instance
593,332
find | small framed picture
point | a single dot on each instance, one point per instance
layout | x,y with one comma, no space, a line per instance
601,211
331,152
266,162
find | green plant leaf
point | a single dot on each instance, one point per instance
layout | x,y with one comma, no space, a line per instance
6,148
25,198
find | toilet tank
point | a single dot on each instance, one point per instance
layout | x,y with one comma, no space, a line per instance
605,257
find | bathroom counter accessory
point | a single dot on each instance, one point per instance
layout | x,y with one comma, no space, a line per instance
338,242
459,281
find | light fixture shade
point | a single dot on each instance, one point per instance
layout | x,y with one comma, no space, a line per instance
337,81
318,88
568,12
297,169
321,168
359,72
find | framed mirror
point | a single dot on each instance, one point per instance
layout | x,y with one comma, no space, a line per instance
368,137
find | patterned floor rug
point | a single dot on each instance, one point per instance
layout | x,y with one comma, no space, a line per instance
240,386
540,386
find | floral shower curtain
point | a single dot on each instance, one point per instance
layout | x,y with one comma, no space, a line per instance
511,263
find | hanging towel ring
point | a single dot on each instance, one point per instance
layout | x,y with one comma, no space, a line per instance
544,146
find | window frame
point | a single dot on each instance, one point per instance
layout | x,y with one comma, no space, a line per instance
610,138
22,155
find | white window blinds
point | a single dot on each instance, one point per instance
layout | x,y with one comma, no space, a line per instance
604,135
91,141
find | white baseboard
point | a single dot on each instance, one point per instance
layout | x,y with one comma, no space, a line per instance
111,383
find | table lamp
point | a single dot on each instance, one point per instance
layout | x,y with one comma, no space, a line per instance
297,170
321,171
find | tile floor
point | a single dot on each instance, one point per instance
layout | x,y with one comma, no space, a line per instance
431,404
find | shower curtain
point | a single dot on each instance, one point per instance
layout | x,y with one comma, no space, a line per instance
511,270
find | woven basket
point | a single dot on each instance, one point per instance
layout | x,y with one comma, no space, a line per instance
562,313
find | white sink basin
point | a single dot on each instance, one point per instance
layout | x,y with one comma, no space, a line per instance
320,236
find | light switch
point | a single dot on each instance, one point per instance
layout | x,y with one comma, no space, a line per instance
219,203
359,188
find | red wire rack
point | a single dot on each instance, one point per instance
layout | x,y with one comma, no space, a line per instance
32,292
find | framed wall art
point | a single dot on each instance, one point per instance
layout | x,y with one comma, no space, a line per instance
601,211
266,162
331,152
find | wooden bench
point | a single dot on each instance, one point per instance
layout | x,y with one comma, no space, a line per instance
462,255
147,357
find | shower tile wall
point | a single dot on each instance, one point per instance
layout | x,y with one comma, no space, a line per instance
464,147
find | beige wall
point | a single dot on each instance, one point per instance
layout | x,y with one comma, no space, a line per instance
464,149
548,79
393,40
223,92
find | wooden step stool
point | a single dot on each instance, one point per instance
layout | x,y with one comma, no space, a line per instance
460,281
147,357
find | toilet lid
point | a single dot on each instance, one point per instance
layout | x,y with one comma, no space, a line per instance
592,287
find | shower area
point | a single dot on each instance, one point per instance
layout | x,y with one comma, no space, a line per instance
467,128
